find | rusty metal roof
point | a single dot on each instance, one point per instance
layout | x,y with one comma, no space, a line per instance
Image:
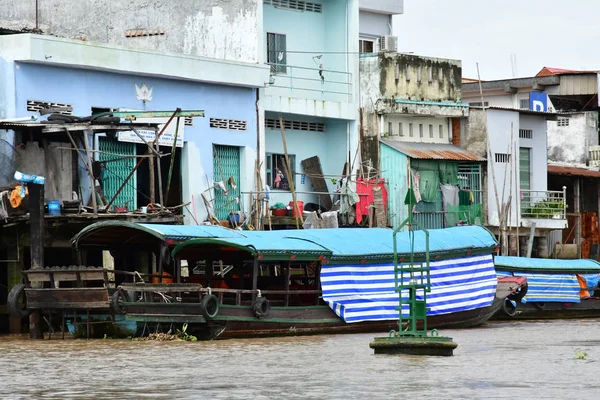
432,151
572,171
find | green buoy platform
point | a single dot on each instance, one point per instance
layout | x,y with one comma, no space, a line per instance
412,283
414,345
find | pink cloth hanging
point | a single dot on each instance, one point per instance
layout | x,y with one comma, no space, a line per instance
366,188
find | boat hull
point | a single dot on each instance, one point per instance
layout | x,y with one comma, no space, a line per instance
589,308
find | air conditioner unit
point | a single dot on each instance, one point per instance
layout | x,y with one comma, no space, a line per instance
388,43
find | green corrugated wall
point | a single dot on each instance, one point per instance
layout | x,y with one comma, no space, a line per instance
395,169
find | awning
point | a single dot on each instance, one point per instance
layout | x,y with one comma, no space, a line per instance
572,171
432,151
115,233
546,265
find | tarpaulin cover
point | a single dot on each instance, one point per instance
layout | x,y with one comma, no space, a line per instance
547,288
359,293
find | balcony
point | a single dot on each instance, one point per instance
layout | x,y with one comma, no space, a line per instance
547,208
311,91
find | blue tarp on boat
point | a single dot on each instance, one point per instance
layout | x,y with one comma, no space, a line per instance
548,288
366,292
545,265
360,242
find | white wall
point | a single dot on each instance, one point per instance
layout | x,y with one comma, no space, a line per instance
499,131
416,122
570,144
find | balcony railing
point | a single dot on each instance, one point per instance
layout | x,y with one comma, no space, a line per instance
544,204
313,83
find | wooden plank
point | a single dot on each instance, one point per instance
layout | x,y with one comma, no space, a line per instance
166,318
312,168
61,305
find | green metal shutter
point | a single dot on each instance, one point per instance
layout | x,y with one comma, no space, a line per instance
118,170
226,164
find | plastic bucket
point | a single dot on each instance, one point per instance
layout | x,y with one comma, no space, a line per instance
297,213
54,207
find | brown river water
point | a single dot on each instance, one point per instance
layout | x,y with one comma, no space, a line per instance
508,360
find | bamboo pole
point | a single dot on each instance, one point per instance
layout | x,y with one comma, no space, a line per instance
173,154
517,200
296,210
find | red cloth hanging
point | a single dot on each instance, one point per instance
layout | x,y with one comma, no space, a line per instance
366,188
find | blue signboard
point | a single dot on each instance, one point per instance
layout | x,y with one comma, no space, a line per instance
538,101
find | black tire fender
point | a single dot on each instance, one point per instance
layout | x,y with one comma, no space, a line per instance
15,298
261,307
539,305
209,306
118,297
520,294
509,308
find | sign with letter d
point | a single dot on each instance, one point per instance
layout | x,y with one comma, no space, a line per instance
538,101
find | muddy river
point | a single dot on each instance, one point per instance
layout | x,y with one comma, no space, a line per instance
522,360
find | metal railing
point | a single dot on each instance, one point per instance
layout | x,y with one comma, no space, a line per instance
316,83
548,204
429,220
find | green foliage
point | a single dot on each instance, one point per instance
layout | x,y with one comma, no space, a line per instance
580,355
545,209
186,336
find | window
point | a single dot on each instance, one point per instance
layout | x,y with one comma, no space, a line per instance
420,130
525,168
390,129
524,104
232,124
563,122
418,74
276,53
295,5
272,123
502,157
400,130
57,108
366,46
478,104
441,129
407,73
430,73
410,129
276,177
431,131
525,134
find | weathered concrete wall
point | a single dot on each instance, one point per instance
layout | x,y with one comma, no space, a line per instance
473,136
410,77
209,28
570,144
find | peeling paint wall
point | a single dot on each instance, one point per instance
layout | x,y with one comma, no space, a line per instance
473,135
570,144
425,85
409,77
209,28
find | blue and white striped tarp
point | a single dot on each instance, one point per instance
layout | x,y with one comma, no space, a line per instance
545,288
365,292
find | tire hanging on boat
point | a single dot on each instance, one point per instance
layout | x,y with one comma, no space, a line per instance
509,307
209,306
539,305
261,307
116,300
15,298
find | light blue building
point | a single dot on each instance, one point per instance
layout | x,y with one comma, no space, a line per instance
86,78
312,50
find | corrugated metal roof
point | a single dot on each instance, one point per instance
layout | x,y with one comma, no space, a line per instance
573,171
530,112
432,151
548,71
523,264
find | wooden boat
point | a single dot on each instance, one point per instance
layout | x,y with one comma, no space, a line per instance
556,288
257,283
